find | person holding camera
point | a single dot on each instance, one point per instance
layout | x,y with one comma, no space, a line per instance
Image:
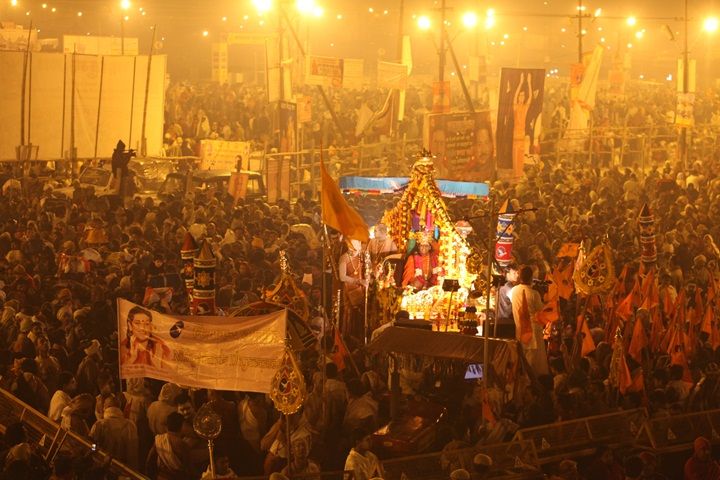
120,160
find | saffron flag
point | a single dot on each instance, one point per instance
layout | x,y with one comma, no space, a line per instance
625,380
639,341
526,332
588,344
650,293
339,351
336,212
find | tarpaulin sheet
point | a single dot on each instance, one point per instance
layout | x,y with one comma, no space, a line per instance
454,346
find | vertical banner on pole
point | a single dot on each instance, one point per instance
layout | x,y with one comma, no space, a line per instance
518,121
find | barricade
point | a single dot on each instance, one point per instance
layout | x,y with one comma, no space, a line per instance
574,438
50,437
677,432
515,459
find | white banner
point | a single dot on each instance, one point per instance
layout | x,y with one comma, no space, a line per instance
392,75
324,71
221,353
93,45
353,72
223,154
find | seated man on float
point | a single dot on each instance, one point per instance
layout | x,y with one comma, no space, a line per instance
422,267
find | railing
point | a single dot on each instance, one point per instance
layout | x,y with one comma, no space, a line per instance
392,158
640,146
50,437
510,460
556,441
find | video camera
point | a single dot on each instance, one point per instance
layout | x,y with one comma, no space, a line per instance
540,286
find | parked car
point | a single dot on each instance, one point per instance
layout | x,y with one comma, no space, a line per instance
177,184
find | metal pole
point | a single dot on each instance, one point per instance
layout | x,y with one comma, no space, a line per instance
686,88
465,90
122,35
580,31
441,61
73,152
132,102
143,140
24,83
401,31
97,121
492,223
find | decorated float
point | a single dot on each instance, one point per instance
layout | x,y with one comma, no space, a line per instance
436,270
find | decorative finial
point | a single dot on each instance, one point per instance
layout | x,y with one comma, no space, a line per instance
283,262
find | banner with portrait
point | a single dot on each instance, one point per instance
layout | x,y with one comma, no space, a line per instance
221,353
462,144
519,116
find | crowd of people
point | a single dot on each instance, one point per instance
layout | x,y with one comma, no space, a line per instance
64,263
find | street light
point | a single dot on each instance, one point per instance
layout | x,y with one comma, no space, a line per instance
125,4
262,6
423,22
711,24
489,18
469,19
631,21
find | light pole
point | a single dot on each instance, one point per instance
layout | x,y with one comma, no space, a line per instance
124,7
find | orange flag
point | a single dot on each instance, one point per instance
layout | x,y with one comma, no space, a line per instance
656,330
707,322
549,313
625,379
625,308
638,342
699,309
650,293
525,322
339,351
638,382
588,344
336,212
564,281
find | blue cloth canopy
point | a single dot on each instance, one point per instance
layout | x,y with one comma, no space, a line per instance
379,185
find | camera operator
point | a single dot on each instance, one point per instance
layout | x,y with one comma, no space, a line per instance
120,160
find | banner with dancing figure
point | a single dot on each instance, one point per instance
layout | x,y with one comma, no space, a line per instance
519,116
